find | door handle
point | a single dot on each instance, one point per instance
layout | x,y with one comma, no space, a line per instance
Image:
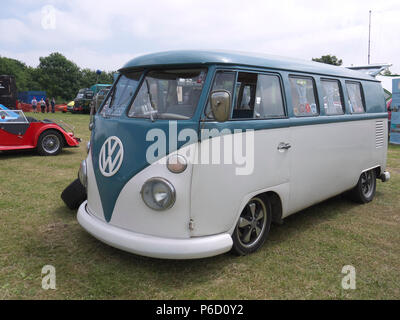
284,146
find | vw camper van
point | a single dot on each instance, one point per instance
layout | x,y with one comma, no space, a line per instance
196,153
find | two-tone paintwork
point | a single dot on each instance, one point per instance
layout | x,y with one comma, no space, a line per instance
328,155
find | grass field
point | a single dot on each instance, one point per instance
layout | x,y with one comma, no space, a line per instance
302,259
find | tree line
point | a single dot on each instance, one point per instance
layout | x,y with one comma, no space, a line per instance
62,78
55,74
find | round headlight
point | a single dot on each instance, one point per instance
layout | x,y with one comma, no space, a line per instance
158,194
177,163
82,174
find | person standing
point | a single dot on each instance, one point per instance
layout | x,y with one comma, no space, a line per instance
34,105
53,105
47,105
42,105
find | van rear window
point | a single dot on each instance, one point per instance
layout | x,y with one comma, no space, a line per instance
355,95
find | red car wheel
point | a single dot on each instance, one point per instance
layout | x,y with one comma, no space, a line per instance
50,143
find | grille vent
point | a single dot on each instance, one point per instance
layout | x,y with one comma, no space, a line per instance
379,136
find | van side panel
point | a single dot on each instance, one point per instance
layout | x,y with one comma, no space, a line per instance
328,159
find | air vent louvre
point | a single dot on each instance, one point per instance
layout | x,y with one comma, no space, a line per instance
379,134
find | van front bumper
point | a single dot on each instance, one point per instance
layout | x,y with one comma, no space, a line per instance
151,246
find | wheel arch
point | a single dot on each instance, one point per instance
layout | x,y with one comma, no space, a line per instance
275,201
276,205
46,129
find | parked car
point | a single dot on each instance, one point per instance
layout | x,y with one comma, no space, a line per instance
18,132
8,91
82,101
62,107
99,98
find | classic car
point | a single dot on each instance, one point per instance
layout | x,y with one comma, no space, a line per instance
48,137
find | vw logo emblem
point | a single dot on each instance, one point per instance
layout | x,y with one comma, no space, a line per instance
111,156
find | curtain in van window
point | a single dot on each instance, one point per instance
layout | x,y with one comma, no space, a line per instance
332,97
303,96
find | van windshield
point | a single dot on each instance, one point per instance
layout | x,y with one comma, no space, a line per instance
121,95
168,94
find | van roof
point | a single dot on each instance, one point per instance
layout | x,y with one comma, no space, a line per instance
200,57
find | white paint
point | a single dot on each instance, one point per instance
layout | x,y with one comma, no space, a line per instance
95,206
325,160
131,212
156,247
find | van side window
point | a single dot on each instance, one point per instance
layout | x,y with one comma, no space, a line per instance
303,96
269,102
332,97
246,96
356,100
258,96
224,80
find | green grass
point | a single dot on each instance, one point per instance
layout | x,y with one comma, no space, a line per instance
302,259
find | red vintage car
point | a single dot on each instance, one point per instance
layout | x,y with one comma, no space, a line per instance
48,137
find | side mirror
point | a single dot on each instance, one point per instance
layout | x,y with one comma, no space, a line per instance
221,105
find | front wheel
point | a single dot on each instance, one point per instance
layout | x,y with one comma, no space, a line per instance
253,226
50,143
365,189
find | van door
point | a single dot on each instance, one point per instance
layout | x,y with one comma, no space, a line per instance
221,189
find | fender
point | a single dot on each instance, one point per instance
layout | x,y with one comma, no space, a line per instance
282,191
72,142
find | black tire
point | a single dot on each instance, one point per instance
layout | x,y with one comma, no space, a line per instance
50,143
245,237
74,195
365,189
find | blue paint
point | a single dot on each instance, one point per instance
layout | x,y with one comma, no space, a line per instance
199,57
132,133
27,96
396,94
395,128
8,115
263,124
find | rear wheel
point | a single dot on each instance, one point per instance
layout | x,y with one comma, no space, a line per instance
253,226
50,143
365,189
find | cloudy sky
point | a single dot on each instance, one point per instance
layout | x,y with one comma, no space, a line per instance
104,34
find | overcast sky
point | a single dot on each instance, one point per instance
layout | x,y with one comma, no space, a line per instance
104,34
